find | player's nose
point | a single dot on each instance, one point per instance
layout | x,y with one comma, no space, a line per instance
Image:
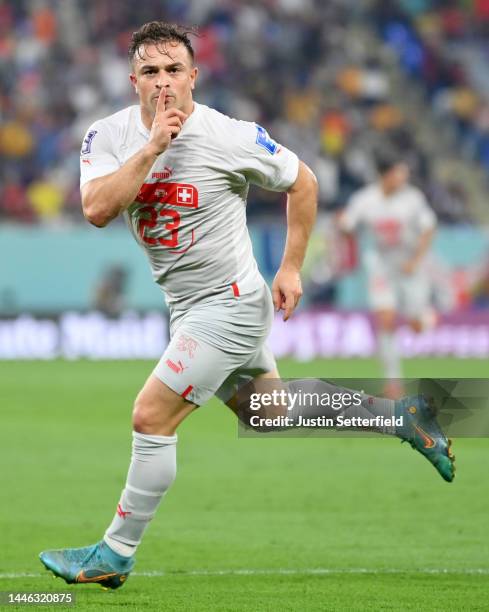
163,81
161,87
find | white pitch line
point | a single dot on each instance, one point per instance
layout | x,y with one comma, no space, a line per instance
20,575
316,571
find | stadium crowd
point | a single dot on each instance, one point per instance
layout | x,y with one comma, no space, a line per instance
444,45
296,66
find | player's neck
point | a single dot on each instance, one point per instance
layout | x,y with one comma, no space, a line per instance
387,190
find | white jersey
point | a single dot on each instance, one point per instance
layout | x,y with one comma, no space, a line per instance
190,213
393,223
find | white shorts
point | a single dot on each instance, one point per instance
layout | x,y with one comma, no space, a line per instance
407,294
218,347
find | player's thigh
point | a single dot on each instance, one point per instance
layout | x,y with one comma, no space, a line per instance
158,409
382,292
258,376
385,319
194,369
415,296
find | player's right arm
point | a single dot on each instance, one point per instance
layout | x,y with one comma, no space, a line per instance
105,197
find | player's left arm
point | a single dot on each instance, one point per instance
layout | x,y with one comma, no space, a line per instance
301,214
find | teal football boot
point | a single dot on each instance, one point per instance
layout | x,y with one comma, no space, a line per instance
421,429
97,563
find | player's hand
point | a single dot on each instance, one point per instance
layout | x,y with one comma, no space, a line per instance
166,125
286,291
409,266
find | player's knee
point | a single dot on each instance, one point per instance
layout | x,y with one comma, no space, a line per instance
147,416
140,417
155,413
416,325
386,320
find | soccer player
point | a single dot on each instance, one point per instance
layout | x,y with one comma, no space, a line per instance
179,173
400,226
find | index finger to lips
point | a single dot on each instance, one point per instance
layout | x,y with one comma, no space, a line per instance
160,105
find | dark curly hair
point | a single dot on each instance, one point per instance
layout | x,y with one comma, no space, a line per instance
160,32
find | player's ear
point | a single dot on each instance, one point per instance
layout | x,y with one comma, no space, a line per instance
134,81
193,76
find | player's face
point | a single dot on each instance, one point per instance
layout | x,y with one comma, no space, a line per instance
165,66
395,178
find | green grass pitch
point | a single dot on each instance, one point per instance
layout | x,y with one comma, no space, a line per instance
250,524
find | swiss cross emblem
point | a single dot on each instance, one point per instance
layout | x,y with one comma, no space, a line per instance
187,344
175,194
185,196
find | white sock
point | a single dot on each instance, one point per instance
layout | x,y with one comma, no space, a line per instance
389,355
151,473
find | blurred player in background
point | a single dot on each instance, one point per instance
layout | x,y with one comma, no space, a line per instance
110,291
179,172
399,224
